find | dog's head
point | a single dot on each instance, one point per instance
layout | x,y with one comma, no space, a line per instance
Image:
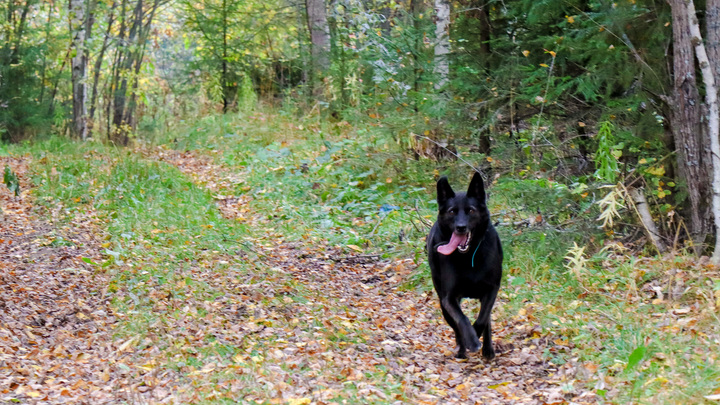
464,215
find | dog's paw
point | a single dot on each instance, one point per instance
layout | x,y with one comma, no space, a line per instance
488,354
473,346
461,354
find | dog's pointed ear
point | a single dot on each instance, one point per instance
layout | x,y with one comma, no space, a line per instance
444,191
477,188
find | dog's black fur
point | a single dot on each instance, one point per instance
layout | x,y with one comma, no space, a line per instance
454,275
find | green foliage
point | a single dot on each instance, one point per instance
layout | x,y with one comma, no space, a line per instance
11,180
607,154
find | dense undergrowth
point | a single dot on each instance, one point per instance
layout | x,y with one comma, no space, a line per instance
640,328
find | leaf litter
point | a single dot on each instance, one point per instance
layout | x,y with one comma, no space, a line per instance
56,323
310,324
326,327
307,324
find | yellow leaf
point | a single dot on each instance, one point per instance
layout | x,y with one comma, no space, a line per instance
355,248
570,19
299,401
544,65
33,394
642,161
388,180
552,53
658,171
526,53
489,159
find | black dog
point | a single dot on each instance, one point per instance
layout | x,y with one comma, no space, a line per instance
466,262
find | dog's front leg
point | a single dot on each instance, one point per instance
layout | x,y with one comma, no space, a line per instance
482,324
465,334
450,321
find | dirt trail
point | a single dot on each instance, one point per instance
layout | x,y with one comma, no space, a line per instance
378,325
55,323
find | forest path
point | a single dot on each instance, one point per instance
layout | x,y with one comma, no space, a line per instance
56,343
355,319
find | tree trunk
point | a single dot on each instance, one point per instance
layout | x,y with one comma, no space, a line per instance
98,66
225,89
19,33
442,46
319,36
416,9
43,69
712,39
78,26
713,120
692,161
646,219
386,13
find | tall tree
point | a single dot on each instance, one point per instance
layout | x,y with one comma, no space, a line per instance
133,34
712,38
98,65
710,65
319,37
79,18
689,136
442,45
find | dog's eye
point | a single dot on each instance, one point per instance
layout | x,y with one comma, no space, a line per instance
471,210
452,211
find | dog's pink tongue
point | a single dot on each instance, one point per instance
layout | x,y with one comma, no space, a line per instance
455,241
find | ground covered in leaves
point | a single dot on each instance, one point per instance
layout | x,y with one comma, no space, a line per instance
367,324
56,343
318,326
157,275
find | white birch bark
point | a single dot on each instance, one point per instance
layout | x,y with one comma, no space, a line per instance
79,68
442,45
711,99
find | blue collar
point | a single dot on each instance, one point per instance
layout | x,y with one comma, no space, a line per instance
472,262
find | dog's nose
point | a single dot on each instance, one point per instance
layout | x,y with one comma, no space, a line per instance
461,229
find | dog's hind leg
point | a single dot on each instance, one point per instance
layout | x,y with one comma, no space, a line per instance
482,325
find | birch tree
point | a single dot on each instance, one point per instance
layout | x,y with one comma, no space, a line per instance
712,38
442,46
709,72
78,30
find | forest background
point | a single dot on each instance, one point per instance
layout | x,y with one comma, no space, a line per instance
594,123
